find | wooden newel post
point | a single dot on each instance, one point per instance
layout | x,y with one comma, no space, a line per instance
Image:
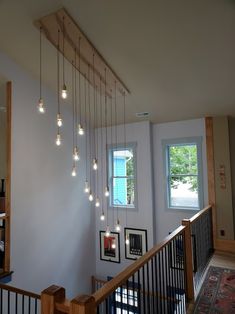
188,259
49,297
83,304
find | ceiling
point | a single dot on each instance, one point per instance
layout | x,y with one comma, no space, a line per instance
176,57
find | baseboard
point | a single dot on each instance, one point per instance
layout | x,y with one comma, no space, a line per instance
225,245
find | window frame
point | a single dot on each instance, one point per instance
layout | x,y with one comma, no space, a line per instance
166,144
110,149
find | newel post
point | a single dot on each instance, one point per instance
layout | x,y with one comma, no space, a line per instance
83,304
188,260
49,297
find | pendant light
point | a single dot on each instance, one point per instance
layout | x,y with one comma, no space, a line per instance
75,153
90,144
86,187
113,245
107,232
59,119
41,107
76,156
102,215
64,92
80,127
94,161
106,191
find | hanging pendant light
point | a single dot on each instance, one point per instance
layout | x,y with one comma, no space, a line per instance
102,216
86,188
90,196
58,139
95,164
113,245
118,226
64,92
80,127
106,191
107,232
74,171
97,202
41,107
59,120
76,156
127,240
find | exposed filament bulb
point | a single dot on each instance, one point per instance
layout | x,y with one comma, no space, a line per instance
90,196
118,226
95,164
86,188
127,241
58,139
80,129
113,245
106,192
41,107
59,120
97,202
74,172
107,232
64,92
102,216
76,156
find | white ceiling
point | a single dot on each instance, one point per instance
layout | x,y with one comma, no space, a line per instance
176,57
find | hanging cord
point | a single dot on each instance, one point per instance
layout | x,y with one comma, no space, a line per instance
124,122
112,147
94,103
106,133
95,137
101,146
58,78
85,102
73,102
79,65
40,64
63,53
116,140
89,108
76,102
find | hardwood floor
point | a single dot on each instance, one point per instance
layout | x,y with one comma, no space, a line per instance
219,259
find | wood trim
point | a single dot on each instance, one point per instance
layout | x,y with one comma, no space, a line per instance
20,291
8,179
225,245
122,277
198,215
51,23
211,171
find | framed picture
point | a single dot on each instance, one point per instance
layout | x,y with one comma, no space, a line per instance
137,243
110,247
177,253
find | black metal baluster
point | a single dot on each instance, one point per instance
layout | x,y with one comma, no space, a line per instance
133,290
1,301
148,291
167,276
16,303
36,306
121,289
159,282
127,291
153,288
8,302
156,285
22,304
107,305
29,304
143,275
139,292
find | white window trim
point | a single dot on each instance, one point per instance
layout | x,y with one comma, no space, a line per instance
133,146
182,141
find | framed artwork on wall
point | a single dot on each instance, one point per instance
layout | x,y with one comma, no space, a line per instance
137,243
110,247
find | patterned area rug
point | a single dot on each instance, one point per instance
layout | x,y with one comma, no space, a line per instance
217,294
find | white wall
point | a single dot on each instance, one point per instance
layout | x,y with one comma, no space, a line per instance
168,220
142,217
52,223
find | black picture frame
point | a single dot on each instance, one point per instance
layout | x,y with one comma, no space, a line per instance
107,253
138,243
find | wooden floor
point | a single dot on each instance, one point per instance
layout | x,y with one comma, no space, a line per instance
219,259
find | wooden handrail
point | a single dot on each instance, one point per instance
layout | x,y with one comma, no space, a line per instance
199,214
63,307
20,291
123,276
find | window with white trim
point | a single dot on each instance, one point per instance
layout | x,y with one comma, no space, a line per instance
183,169
122,175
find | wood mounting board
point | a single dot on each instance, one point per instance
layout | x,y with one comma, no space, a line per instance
59,20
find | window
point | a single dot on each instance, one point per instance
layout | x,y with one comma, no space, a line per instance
122,176
183,165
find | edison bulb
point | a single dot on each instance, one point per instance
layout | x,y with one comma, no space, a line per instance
127,240
41,107
118,226
97,202
102,217
64,92
86,188
107,232
74,172
59,120
80,129
113,245
90,197
95,164
58,139
75,154
106,192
